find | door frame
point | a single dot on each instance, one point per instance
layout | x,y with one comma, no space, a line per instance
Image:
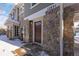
31,21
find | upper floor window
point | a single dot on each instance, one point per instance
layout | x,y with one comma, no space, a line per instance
13,16
17,14
10,16
34,5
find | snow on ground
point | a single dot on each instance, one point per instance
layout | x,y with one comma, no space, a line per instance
6,45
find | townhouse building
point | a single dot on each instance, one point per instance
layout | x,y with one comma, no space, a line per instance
14,22
50,25
32,22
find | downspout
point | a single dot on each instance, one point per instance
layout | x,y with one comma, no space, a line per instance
61,29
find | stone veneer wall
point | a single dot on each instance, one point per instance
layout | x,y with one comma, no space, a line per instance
68,32
51,32
68,28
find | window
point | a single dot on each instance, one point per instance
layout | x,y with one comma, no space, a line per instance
13,16
10,16
34,5
16,30
17,14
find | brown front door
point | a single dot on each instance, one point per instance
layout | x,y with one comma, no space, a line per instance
38,31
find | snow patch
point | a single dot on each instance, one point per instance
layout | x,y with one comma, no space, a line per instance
6,45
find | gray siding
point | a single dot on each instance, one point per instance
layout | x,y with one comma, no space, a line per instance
29,11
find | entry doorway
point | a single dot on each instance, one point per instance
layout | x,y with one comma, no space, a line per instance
37,31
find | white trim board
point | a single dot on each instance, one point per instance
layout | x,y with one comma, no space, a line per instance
39,13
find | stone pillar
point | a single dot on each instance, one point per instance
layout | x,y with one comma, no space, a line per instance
68,39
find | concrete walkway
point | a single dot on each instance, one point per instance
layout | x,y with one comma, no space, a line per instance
6,45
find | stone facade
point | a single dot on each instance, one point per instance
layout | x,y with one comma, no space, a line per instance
51,32
68,31
69,14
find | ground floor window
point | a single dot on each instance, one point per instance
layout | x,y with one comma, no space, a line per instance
16,30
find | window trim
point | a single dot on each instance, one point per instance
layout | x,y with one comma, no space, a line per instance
34,5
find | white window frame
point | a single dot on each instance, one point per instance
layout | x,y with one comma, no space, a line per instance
34,5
